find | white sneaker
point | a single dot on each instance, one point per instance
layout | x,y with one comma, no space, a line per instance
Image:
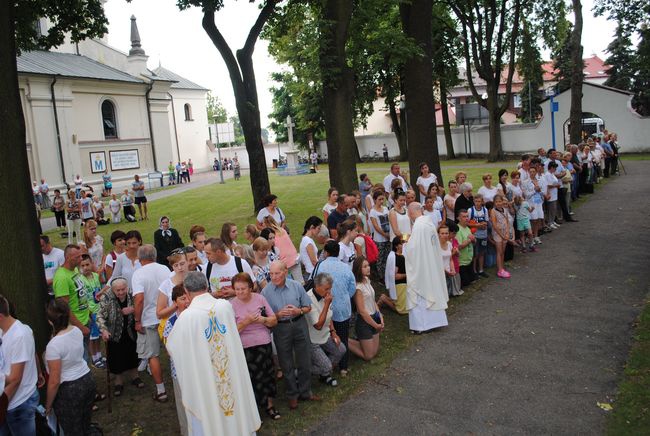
554,226
537,241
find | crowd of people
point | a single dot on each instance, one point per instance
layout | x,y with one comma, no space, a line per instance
179,173
236,318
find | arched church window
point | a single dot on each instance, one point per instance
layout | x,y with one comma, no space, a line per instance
109,120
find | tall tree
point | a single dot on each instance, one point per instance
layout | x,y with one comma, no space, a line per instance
22,275
620,60
416,20
490,34
641,88
529,66
338,93
446,54
216,110
242,78
577,75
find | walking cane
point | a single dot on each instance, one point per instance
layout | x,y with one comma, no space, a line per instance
108,384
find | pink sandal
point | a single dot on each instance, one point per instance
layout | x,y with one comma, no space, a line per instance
503,274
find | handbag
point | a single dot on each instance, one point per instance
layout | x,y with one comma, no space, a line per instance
309,284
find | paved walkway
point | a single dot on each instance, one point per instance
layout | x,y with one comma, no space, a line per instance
534,354
198,180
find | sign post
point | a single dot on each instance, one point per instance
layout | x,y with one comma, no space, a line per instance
555,106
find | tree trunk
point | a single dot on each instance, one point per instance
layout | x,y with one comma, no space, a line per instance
577,76
242,78
416,20
449,142
399,131
22,275
494,114
338,92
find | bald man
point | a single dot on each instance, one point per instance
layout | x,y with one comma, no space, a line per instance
290,302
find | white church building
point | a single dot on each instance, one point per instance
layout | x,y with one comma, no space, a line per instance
89,107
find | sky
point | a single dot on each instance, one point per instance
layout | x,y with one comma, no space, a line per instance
176,40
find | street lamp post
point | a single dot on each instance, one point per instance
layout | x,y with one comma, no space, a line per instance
550,91
216,129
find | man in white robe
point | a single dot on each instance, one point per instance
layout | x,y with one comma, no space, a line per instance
426,287
210,365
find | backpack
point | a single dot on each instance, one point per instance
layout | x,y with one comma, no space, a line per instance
372,252
208,269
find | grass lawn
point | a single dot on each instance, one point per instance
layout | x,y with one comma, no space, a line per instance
211,206
299,198
631,414
132,412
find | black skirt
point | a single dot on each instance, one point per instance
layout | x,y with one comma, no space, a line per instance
122,356
260,367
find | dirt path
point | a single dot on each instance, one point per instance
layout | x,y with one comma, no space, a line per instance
532,355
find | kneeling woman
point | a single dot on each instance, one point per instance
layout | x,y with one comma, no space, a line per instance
255,318
71,387
369,321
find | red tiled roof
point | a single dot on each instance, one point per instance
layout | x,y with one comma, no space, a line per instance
594,67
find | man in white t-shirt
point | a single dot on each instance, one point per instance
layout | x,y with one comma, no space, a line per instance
145,284
394,174
222,267
53,258
19,374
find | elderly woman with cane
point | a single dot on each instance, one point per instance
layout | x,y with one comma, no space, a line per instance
117,326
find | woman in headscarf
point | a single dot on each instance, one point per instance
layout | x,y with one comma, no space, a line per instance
117,326
166,239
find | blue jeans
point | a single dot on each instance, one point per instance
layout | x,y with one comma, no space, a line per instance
21,420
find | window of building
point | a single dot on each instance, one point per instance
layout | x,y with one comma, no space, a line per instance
188,112
109,120
516,100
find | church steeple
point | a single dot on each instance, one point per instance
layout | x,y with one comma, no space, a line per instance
137,59
136,47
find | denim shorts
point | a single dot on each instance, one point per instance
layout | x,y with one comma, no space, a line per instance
94,328
480,246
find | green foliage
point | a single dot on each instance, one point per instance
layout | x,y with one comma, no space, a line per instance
376,49
239,133
630,14
621,60
549,20
447,48
216,111
80,19
562,63
529,66
641,88
300,100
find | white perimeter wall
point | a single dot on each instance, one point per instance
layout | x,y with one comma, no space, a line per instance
612,106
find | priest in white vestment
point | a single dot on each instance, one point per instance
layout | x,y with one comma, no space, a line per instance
210,365
426,287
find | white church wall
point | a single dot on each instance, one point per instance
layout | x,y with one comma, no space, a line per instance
192,134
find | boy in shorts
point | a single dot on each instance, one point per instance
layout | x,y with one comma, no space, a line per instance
523,211
93,291
478,221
